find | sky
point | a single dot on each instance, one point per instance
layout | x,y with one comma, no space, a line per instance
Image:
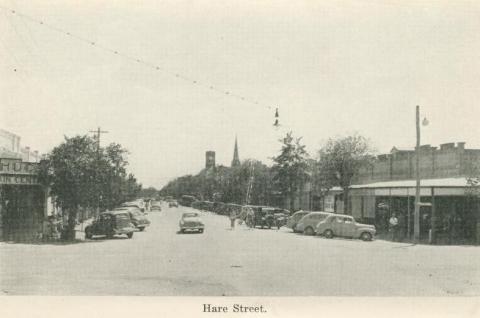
332,68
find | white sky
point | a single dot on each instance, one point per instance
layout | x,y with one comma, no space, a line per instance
332,68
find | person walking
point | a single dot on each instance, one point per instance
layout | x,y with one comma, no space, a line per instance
233,216
393,225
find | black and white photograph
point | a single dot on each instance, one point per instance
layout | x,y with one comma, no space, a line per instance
239,149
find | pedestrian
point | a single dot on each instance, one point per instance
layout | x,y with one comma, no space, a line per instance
393,225
233,216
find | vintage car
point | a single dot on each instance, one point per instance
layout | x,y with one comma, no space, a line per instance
187,200
137,204
111,223
308,224
219,208
156,206
345,226
293,220
281,217
139,219
263,216
172,204
191,222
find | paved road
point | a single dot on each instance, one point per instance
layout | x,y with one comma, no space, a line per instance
242,262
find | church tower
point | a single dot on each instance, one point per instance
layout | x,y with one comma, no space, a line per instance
236,159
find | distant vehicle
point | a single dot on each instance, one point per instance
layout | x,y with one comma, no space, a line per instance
139,219
156,206
187,200
263,216
111,223
345,226
173,203
191,221
293,220
137,204
308,223
280,217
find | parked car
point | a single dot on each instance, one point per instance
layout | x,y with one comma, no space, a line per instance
293,220
111,223
281,217
139,219
187,200
308,223
263,216
173,203
191,221
136,204
156,206
345,226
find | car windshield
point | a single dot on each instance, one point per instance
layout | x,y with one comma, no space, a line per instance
122,216
190,215
137,213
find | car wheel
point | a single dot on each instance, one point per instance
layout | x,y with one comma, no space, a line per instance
294,229
309,231
182,231
141,228
200,231
366,236
129,235
328,233
110,235
88,233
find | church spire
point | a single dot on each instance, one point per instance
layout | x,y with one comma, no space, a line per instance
236,159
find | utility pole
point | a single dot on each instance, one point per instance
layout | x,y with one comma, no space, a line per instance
250,184
416,215
97,133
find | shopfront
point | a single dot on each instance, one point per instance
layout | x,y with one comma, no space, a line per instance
447,212
22,201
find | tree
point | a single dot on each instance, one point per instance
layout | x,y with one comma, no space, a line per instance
290,167
81,175
340,159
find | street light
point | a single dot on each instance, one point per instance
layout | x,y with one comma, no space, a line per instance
416,216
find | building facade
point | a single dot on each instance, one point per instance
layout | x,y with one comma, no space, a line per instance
449,213
23,201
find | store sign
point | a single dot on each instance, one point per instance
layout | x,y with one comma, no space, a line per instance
14,171
16,166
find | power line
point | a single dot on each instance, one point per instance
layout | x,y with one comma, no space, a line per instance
145,63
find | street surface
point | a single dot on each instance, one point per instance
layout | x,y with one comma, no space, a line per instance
242,262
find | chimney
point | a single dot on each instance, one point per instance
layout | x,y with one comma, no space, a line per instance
447,146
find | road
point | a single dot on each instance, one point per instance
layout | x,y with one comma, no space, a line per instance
242,262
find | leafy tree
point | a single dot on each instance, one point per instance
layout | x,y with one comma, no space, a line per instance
340,159
290,167
81,175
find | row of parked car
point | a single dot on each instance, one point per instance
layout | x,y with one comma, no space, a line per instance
123,220
307,222
330,225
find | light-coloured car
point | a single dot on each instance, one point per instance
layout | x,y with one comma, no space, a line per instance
293,220
191,221
308,224
345,226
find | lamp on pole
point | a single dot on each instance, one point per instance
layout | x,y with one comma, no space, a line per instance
416,216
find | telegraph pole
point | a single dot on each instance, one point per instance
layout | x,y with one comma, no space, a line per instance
97,133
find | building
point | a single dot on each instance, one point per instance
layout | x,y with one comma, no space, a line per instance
210,160
236,158
23,201
449,211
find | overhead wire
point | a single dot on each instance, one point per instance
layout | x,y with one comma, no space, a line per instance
134,59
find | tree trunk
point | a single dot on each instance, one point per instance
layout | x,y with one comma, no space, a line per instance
346,205
292,201
69,232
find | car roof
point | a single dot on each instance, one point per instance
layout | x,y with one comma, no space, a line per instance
114,212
